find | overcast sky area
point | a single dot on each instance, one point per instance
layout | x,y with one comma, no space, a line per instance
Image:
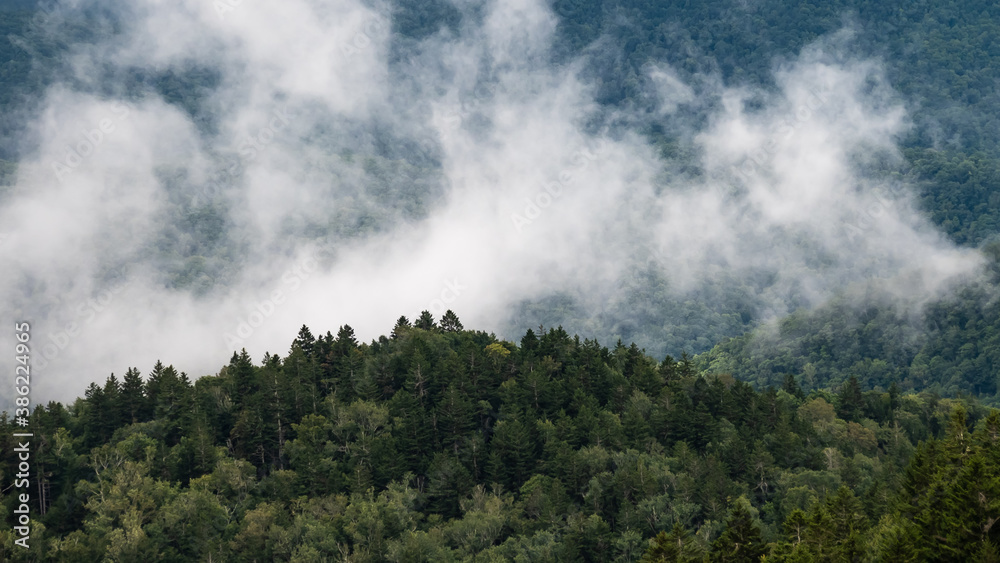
351,179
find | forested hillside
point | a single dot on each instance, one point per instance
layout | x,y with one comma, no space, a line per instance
952,348
443,444
794,398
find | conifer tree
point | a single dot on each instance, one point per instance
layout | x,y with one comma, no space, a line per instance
850,401
741,541
305,341
425,321
450,322
244,384
676,547
402,323
529,342
112,397
95,419
792,387
134,404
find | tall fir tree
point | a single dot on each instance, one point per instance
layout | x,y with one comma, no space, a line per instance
741,541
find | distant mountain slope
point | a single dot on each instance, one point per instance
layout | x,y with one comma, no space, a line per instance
952,349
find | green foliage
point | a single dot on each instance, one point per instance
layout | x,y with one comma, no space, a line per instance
676,547
741,541
464,446
951,350
446,444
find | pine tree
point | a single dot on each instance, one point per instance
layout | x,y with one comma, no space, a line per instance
133,399
511,453
850,401
848,524
741,541
159,389
425,321
454,416
450,322
676,547
241,374
305,341
95,422
112,396
896,542
792,387
529,342
413,432
402,323
448,481
668,369
894,396
345,342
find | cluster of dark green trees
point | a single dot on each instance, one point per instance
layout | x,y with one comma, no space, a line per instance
442,444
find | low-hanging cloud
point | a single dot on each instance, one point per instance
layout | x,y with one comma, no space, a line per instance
330,176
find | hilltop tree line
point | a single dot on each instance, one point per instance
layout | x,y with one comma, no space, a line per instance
437,443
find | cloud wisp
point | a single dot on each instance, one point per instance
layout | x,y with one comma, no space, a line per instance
326,177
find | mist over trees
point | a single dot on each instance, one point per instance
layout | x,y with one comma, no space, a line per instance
784,215
410,147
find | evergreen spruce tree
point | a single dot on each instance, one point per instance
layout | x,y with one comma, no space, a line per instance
402,323
244,384
95,420
529,342
450,322
792,387
133,400
741,541
425,321
676,547
305,341
112,396
850,401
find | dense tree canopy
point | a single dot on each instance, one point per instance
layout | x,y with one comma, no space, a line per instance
443,444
